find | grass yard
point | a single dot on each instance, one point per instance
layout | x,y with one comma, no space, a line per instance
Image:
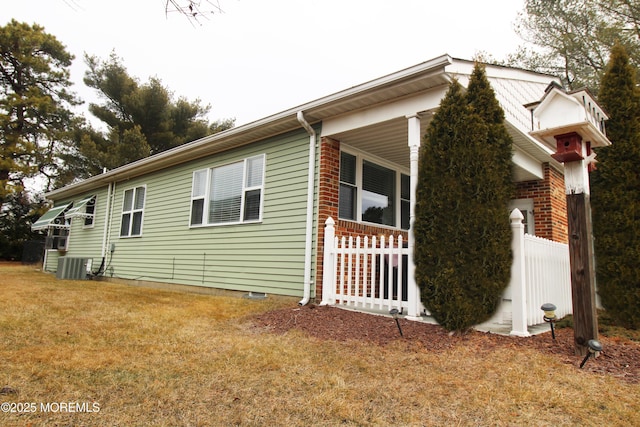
128,356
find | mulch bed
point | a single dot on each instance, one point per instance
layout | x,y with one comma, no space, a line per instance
620,357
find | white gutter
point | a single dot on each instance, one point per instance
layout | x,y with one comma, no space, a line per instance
310,194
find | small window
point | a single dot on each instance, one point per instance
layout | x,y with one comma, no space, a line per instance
405,201
348,190
198,193
90,210
132,211
228,194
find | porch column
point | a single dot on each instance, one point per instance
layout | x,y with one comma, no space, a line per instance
413,297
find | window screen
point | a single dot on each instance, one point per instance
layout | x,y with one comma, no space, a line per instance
226,193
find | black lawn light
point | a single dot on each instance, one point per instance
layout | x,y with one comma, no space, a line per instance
394,313
594,347
549,316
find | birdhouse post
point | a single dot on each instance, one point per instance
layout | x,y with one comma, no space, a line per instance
570,123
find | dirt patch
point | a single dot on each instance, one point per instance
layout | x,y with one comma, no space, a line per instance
620,357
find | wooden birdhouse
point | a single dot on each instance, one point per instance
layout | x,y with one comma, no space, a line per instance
568,147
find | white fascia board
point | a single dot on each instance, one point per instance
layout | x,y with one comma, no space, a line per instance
528,163
465,68
383,113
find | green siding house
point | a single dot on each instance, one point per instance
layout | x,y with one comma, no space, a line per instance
247,209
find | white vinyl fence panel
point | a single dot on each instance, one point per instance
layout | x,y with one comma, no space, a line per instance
548,277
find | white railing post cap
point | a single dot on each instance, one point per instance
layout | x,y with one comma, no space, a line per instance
516,215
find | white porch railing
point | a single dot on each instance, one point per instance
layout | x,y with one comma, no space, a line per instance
366,273
371,274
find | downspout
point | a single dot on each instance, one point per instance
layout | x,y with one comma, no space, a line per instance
310,194
107,220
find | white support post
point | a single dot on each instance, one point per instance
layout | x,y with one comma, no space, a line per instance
329,264
518,277
413,293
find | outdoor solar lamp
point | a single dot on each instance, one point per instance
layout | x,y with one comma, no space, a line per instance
549,316
394,313
594,347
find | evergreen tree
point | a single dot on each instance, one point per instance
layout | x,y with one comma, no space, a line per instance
615,194
35,104
141,120
163,122
462,230
16,218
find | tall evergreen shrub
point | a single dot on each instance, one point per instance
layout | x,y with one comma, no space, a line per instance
615,194
463,251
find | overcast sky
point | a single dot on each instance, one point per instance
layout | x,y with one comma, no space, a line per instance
261,57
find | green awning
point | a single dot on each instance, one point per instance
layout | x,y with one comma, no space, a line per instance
54,218
79,209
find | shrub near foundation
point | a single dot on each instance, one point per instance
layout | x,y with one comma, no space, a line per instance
463,253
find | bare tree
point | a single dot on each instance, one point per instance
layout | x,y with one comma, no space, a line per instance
193,10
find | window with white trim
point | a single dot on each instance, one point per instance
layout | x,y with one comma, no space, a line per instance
370,192
132,212
90,210
228,194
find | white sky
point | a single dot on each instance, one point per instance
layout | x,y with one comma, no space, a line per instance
261,57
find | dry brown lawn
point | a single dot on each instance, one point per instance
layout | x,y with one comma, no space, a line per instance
130,356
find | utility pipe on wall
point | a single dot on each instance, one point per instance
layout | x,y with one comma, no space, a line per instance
309,225
107,221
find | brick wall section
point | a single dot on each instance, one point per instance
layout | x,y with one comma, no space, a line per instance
549,204
329,180
328,207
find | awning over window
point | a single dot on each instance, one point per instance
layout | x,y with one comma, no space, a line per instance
54,218
79,209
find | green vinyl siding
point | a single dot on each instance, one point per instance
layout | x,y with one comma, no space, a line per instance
86,242
266,256
51,260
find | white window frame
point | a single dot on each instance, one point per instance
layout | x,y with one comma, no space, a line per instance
361,157
90,216
133,211
245,190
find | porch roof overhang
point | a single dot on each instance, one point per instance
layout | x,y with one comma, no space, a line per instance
381,130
